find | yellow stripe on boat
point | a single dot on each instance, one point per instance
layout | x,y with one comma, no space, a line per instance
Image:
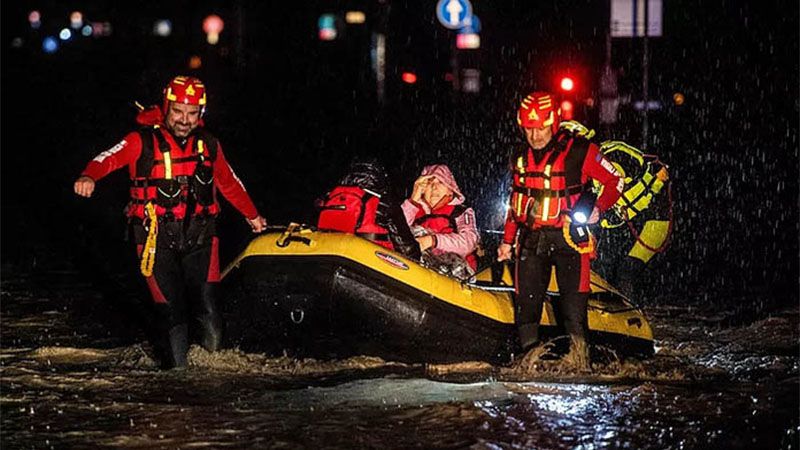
497,306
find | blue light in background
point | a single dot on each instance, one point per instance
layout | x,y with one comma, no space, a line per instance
327,21
49,44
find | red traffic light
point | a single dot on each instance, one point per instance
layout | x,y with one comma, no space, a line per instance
567,110
409,77
567,84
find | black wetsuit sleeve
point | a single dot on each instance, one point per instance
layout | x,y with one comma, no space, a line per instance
391,217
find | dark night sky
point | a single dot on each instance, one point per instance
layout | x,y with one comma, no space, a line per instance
294,110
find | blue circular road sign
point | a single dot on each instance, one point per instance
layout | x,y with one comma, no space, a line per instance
453,13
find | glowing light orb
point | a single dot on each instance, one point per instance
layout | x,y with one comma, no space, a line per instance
567,84
327,34
566,110
326,21
409,77
355,17
35,19
213,24
76,19
162,28
468,41
195,62
49,44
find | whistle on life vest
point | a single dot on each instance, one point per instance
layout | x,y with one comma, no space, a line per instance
579,217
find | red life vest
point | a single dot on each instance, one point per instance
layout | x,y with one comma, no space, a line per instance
175,179
546,188
443,221
351,209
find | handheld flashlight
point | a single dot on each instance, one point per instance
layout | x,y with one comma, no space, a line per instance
579,229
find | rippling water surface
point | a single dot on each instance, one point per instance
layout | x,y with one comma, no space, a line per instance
73,375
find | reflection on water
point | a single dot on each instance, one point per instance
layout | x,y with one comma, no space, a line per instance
69,384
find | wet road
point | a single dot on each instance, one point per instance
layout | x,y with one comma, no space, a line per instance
76,373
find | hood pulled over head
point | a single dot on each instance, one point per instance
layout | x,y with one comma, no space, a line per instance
445,176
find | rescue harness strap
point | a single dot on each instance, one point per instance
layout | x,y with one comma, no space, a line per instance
149,250
364,199
540,193
458,210
158,162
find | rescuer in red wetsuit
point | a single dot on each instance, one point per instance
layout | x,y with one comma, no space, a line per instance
549,177
176,168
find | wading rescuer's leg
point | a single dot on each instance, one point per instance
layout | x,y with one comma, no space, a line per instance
201,266
167,288
572,273
532,278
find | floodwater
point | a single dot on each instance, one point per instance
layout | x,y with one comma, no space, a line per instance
72,379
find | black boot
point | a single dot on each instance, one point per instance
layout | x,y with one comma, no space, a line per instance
528,336
178,346
209,330
579,354
207,321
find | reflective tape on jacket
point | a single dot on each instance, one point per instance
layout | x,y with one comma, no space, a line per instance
174,178
544,187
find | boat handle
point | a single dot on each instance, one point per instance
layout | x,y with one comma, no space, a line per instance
284,239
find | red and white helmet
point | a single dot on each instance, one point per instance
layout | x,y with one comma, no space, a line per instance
539,110
186,90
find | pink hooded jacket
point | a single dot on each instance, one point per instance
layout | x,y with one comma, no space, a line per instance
465,240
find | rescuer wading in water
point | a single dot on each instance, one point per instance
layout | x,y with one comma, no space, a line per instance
176,169
550,177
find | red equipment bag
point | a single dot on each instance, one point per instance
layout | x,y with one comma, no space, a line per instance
344,209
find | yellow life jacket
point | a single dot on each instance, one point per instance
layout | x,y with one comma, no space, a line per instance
638,192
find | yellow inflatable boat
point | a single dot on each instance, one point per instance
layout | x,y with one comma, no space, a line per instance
333,295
